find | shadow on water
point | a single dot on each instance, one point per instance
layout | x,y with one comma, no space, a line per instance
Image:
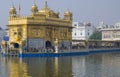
97,65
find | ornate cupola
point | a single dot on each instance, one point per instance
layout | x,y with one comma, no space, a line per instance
34,9
68,15
13,11
45,10
48,12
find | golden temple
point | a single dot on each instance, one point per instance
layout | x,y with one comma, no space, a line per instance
40,29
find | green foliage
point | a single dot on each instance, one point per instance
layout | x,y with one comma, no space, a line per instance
97,35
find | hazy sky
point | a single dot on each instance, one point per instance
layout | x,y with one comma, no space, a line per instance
83,10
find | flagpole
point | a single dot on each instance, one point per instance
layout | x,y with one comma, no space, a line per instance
19,9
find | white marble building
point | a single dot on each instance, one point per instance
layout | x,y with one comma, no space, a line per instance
111,33
82,31
101,25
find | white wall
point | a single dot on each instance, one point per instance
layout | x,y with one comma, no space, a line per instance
82,31
111,32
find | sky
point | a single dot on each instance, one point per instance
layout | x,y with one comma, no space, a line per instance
93,11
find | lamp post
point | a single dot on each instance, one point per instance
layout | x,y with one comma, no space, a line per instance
21,48
56,46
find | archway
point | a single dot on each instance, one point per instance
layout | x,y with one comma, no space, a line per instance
48,44
16,45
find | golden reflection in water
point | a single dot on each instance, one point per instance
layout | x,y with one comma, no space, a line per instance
56,65
37,67
17,68
97,65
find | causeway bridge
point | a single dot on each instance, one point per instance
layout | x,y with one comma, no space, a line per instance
95,44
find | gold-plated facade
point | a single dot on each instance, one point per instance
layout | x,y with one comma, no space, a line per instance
43,24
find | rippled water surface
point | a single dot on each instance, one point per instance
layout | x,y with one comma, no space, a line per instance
95,65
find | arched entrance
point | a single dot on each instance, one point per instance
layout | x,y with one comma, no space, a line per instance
16,45
48,44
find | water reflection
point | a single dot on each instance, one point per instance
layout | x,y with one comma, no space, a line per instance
78,66
3,67
93,66
97,65
49,67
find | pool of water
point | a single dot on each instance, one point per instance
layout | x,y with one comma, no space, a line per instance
94,65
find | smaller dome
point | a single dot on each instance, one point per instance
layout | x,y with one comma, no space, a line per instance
13,11
68,15
68,12
34,8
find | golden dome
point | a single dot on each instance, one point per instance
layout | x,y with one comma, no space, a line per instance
48,12
45,9
12,11
34,8
68,15
68,12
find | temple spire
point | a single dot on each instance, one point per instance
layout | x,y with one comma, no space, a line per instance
34,2
19,8
12,11
34,8
12,4
46,5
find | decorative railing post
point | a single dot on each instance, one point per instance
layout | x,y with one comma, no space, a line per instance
21,49
56,46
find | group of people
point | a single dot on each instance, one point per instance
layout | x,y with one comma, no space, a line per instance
41,49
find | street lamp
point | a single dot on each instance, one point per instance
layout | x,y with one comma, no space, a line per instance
56,46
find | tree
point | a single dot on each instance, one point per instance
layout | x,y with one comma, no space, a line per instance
97,35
